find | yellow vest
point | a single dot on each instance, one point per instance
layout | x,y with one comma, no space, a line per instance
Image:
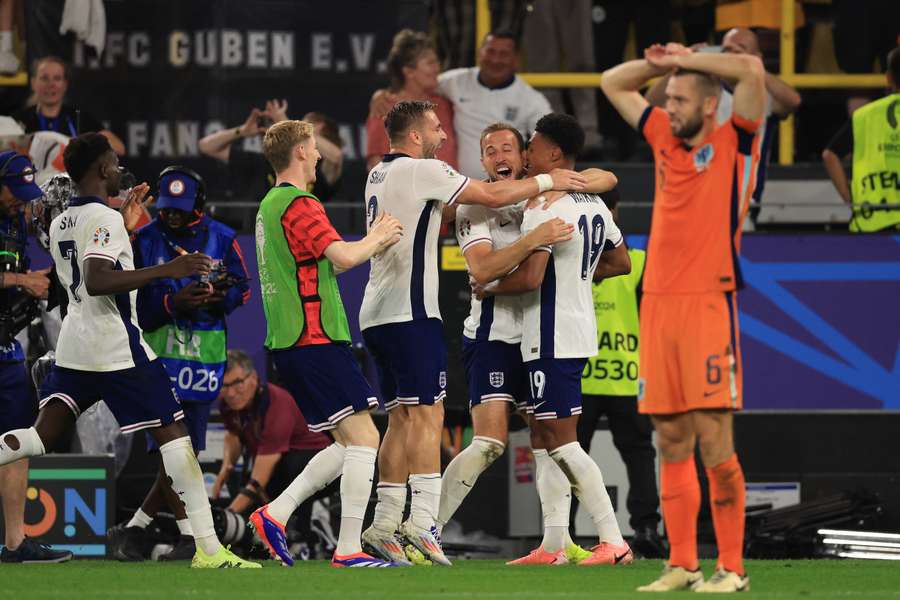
876,164
614,371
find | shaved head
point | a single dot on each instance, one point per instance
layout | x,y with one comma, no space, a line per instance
741,40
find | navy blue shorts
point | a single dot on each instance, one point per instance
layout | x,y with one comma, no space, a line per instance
140,397
326,382
495,372
411,358
196,418
555,385
17,408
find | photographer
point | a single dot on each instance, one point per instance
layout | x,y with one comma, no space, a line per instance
184,322
18,305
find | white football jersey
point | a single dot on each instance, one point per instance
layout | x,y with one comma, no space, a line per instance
496,317
99,333
475,106
559,319
403,280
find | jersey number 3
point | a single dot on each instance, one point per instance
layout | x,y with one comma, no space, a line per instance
592,240
68,251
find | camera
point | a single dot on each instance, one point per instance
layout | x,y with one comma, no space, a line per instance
220,278
18,308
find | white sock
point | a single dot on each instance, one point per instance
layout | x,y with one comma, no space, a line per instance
187,481
462,473
426,498
140,519
390,507
356,487
18,444
324,468
588,483
184,527
6,40
555,493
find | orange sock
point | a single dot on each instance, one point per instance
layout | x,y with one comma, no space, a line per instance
727,499
680,499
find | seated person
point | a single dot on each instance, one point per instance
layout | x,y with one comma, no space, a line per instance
264,425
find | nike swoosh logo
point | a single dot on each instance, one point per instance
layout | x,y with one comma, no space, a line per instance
505,223
712,393
539,404
619,559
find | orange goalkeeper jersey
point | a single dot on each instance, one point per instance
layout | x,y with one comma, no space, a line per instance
702,195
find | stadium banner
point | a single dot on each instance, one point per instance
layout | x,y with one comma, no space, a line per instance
70,502
187,69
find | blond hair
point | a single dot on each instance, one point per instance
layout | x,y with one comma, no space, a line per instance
281,139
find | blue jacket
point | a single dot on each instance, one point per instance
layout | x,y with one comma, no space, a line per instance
155,244
13,352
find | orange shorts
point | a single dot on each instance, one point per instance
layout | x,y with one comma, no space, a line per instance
690,353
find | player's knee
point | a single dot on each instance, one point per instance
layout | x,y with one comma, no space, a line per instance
490,449
715,450
359,430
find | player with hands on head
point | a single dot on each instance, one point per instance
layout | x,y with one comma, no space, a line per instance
706,177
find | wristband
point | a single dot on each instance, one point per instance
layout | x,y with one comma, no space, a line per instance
237,132
544,181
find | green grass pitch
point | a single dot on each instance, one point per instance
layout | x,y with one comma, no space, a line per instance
472,579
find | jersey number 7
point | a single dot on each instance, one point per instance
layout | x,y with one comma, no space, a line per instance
68,251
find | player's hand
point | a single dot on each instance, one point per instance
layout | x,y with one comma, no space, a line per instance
657,56
276,110
566,180
676,49
552,231
135,206
188,265
381,103
35,283
251,126
191,297
386,231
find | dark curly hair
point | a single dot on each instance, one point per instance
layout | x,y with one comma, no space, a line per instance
564,131
82,152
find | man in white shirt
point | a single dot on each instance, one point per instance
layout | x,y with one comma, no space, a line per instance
483,95
401,321
559,328
101,354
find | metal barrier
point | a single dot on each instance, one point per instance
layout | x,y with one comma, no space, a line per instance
787,74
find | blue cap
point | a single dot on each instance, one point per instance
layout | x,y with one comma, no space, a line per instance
19,177
177,190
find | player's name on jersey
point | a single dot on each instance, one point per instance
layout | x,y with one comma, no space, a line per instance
580,198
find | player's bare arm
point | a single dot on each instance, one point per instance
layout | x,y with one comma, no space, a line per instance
101,278
385,232
528,277
622,85
745,70
613,263
486,264
599,180
503,193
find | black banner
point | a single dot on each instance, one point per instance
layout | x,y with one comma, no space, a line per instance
174,71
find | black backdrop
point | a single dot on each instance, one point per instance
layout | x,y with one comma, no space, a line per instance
174,70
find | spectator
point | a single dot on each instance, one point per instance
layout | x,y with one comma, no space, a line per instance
483,95
782,100
413,66
50,82
454,23
559,37
251,177
870,136
9,62
264,424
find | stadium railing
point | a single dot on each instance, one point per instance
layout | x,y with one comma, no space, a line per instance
787,74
